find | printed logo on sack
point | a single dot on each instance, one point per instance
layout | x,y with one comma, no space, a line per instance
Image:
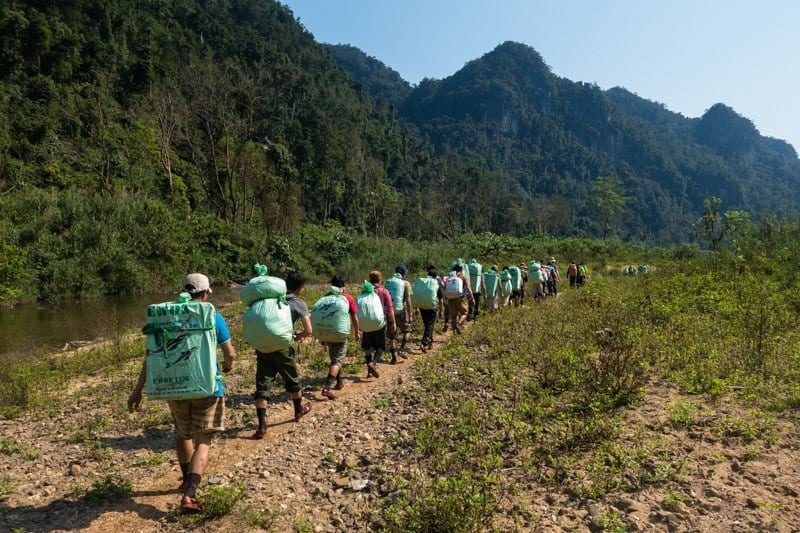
175,351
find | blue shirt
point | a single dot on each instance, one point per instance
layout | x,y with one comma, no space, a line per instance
223,336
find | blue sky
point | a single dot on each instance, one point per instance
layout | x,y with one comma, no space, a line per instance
687,55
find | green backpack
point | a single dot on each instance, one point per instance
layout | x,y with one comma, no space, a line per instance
181,360
370,309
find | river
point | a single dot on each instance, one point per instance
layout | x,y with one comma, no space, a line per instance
42,328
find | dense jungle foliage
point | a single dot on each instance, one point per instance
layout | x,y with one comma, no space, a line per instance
140,140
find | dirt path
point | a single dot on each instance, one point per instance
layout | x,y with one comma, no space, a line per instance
284,474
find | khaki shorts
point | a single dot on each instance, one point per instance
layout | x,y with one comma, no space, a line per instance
457,306
337,351
199,415
402,322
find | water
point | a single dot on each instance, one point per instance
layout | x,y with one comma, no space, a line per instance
38,329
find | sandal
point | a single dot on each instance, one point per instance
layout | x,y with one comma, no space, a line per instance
190,505
304,410
259,434
328,394
372,371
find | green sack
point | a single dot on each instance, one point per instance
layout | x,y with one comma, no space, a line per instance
397,289
267,325
505,279
330,317
370,312
516,277
181,360
424,293
475,270
492,281
535,274
262,287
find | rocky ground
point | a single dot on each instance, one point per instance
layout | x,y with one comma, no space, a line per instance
333,471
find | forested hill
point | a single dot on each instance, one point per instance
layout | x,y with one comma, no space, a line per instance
381,81
141,140
554,137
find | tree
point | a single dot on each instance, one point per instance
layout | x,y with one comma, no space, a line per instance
608,198
710,224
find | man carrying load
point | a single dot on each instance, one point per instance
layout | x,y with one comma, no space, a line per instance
269,326
333,317
400,290
196,419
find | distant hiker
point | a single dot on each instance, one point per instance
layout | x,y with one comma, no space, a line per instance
401,293
268,326
333,318
442,311
197,419
425,297
506,285
493,289
458,293
537,279
374,343
478,287
572,274
516,285
582,274
552,283
372,322
543,289
523,270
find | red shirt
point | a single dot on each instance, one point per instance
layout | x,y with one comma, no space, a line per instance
386,300
352,303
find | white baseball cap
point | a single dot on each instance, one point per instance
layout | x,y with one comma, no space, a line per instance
194,283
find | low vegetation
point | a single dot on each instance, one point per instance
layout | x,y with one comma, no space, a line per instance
540,398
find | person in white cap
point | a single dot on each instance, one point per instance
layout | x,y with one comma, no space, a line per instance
199,419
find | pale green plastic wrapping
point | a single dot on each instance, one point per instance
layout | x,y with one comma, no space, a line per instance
535,274
370,312
262,287
492,282
267,322
330,318
267,325
423,293
397,288
475,271
181,350
516,277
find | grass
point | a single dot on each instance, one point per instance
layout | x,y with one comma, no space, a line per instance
110,489
543,392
